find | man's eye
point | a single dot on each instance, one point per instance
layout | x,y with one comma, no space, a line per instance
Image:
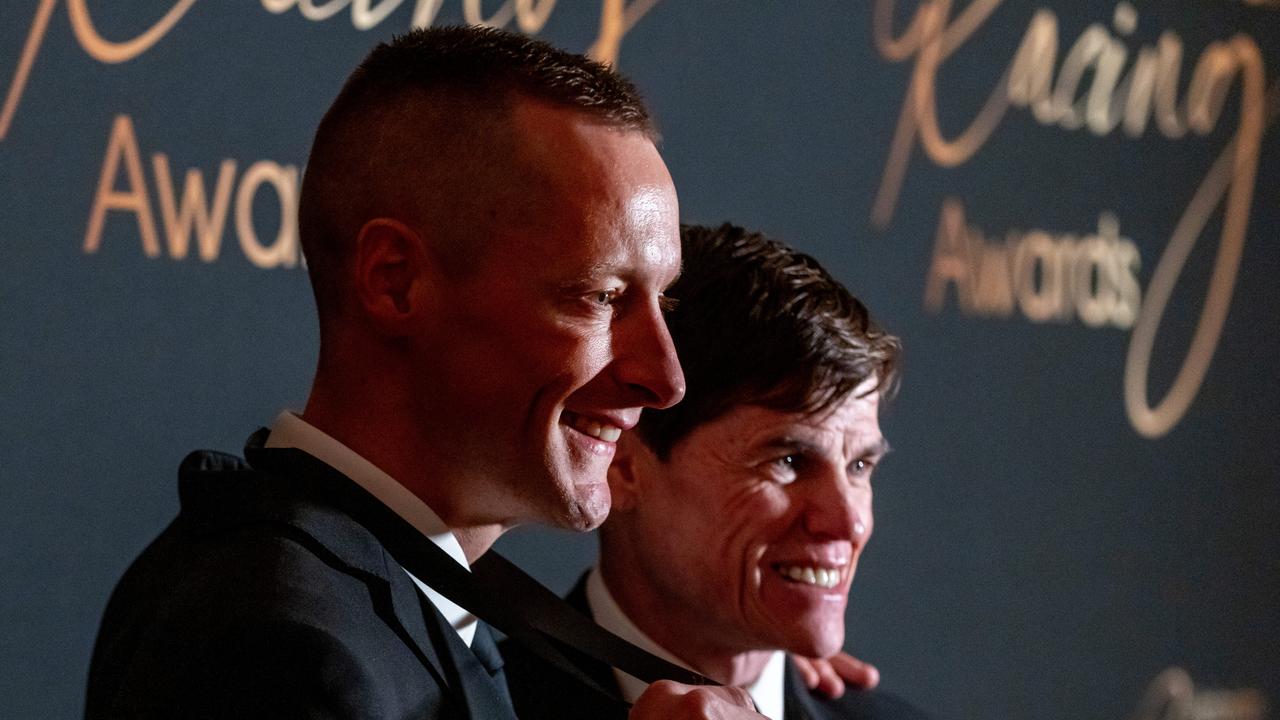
783,470
605,297
861,467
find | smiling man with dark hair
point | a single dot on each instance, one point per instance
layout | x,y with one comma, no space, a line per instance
739,515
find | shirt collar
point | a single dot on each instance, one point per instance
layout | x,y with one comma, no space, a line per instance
766,691
291,431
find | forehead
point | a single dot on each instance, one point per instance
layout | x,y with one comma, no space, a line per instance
851,426
569,144
586,194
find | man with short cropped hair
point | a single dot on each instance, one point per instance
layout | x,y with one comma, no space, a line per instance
489,230
739,515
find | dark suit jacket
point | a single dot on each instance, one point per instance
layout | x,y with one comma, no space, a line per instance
270,595
540,690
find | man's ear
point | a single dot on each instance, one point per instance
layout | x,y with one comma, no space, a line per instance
394,280
627,473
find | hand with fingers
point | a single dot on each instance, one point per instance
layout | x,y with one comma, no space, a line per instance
666,699
831,675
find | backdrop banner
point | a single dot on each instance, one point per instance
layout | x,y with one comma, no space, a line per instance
1068,211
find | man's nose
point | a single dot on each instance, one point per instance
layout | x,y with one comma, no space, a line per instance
648,364
837,509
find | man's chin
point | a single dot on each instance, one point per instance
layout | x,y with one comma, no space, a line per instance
815,641
595,508
826,649
587,508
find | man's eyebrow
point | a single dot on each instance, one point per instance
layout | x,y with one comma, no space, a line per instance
589,277
791,443
877,449
625,273
880,448
602,269
622,270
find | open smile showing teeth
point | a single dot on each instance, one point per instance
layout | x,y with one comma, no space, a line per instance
809,575
607,433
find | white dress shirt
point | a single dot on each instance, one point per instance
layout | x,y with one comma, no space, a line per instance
291,431
766,691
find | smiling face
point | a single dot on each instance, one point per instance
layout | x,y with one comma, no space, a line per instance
750,532
553,343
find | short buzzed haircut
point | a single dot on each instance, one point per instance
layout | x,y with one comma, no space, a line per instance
759,323
424,116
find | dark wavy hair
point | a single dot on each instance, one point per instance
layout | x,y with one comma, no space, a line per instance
758,322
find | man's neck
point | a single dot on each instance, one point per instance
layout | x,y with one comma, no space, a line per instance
291,431
477,540
381,446
474,540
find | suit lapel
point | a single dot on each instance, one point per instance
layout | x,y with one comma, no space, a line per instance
484,693
312,497
486,651
407,612
793,705
798,702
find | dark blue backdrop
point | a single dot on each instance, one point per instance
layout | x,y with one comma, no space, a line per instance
1046,545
